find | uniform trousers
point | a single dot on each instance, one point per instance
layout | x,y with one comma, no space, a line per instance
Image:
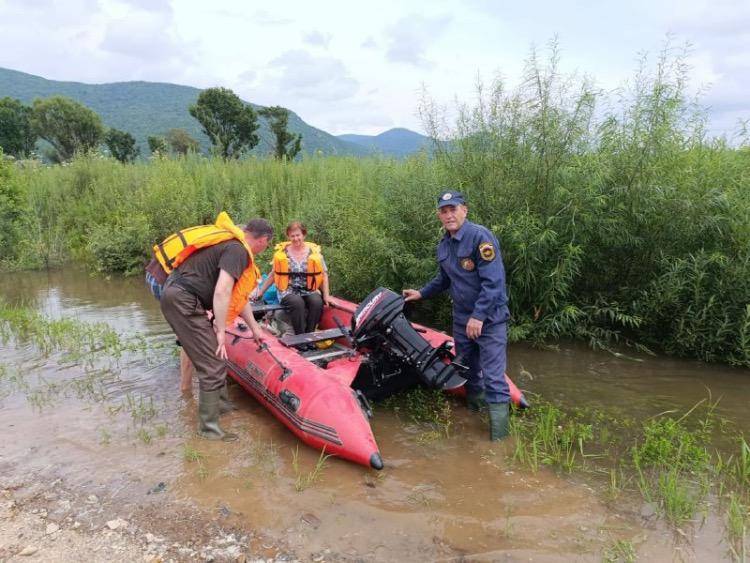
486,359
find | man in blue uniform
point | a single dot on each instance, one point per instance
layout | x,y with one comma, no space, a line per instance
471,268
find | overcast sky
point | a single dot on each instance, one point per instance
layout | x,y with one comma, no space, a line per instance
358,67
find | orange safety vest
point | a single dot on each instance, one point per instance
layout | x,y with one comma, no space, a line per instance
176,248
281,272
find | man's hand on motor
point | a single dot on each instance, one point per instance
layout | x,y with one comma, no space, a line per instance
474,328
411,295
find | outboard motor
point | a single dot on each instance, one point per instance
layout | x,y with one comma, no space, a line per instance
379,324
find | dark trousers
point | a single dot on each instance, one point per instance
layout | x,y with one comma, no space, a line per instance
304,311
188,320
486,358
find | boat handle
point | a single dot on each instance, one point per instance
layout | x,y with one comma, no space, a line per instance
285,371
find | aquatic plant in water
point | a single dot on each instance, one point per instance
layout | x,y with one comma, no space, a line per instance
305,480
427,407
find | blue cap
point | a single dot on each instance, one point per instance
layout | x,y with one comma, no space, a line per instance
451,198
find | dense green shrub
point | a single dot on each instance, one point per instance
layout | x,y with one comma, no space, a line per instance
119,247
16,221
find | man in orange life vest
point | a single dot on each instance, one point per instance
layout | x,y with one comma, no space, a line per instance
218,276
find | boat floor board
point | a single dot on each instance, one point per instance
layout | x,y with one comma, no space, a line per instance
311,337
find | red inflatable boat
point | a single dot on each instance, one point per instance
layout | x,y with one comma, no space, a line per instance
322,393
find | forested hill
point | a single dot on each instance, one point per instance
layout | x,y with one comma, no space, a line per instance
395,142
152,108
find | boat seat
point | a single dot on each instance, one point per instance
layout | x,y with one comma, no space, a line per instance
310,337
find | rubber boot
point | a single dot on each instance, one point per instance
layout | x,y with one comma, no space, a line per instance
499,423
208,417
475,401
225,405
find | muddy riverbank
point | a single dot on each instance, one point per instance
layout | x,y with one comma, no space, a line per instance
88,440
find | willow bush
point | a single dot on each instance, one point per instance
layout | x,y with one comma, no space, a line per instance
618,218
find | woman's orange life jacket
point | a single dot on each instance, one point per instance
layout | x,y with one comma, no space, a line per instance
282,273
176,248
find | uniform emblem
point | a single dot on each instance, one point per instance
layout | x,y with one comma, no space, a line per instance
447,196
487,251
467,264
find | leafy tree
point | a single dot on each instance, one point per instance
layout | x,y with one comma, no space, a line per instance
158,145
181,141
68,126
122,145
228,122
17,136
278,118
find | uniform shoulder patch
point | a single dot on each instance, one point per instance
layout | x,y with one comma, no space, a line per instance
487,251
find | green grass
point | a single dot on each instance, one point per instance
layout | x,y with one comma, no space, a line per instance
428,408
737,522
80,342
144,436
620,551
546,435
670,460
305,480
192,455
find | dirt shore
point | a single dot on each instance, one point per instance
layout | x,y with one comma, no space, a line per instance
42,521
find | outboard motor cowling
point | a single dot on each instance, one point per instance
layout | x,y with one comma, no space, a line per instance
379,322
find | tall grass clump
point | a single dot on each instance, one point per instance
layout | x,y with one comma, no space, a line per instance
548,436
619,219
16,220
673,464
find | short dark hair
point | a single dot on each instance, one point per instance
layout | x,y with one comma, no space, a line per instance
296,225
259,228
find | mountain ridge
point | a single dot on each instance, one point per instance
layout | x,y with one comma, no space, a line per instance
145,108
397,141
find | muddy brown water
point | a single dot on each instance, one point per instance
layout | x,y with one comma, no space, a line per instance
453,498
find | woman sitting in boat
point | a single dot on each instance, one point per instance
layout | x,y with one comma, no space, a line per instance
301,278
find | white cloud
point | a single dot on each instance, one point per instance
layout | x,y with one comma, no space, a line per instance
318,38
720,35
248,77
142,35
150,5
265,18
324,79
410,37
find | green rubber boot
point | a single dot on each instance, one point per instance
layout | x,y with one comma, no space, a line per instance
499,422
475,401
209,403
225,405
